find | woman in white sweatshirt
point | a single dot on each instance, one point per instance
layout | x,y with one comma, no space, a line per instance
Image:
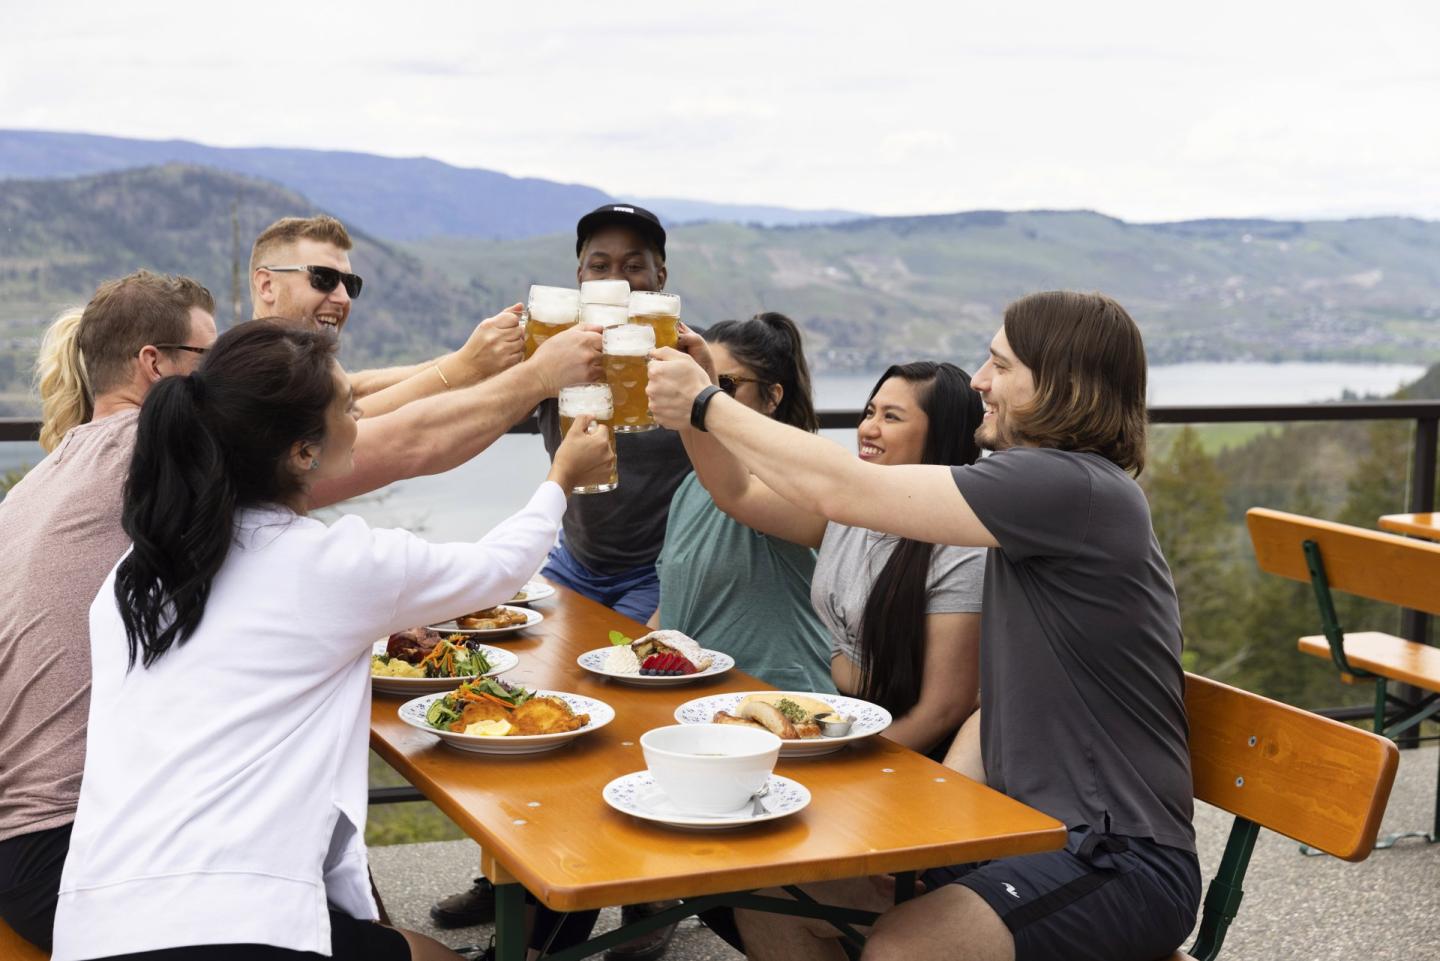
222,811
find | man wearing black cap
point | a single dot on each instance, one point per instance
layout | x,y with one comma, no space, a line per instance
610,541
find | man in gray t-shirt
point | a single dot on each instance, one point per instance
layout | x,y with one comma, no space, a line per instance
1082,690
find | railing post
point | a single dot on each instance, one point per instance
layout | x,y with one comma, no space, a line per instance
1415,625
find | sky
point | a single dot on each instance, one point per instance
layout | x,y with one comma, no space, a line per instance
1147,111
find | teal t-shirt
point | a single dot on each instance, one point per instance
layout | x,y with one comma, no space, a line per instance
736,590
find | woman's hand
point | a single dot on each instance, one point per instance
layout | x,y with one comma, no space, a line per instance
693,344
675,379
585,456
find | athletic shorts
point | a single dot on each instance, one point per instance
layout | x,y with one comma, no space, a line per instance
350,940
1102,898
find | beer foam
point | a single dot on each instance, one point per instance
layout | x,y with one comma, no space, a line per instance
605,315
554,305
629,340
613,292
643,302
592,399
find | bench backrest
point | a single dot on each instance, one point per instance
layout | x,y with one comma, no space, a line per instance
1383,567
1307,777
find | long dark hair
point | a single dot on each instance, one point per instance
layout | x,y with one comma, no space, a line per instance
770,345
892,630
205,446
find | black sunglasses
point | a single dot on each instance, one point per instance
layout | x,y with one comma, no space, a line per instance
326,279
730,383
193,350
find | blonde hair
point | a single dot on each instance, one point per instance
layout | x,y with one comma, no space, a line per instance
65,398
287,230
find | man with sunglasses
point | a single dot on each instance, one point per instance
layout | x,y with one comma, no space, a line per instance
300,269
424,419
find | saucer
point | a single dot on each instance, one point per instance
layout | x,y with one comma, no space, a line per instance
639,796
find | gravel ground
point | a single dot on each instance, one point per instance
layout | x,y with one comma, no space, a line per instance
1296,908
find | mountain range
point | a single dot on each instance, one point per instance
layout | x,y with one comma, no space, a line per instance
867,293
402,198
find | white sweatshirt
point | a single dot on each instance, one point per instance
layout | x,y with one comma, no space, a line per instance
224,794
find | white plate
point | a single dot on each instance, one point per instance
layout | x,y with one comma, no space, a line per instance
869,719
639,796
533,591
531,619
594,662
500,661
601,714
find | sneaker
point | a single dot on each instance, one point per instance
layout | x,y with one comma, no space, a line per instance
646,947
475,906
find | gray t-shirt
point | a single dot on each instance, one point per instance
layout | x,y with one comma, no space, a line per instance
1084,708
850,560
623,529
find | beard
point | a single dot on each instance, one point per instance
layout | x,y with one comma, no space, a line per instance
992,436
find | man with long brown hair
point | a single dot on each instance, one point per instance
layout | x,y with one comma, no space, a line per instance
1084,713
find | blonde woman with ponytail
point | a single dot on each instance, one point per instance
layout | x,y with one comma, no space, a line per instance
65,398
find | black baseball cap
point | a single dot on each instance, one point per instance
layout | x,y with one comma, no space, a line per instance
636,218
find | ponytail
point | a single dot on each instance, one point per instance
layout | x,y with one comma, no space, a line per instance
65,397
892,628
206,446
179,512
771,346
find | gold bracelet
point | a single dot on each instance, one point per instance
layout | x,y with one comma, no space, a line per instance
443,379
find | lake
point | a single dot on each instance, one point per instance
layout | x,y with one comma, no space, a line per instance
464,503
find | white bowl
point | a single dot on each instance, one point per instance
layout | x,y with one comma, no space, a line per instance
712,768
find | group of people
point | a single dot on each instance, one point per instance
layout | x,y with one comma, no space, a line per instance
172,623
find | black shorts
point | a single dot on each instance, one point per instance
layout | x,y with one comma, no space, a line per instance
30,867
1101,898
350,940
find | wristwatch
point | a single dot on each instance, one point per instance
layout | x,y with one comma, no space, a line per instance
698,408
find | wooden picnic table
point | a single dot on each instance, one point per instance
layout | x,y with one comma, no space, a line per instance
1416,525
540,819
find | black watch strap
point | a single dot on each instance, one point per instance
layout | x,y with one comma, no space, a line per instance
701,404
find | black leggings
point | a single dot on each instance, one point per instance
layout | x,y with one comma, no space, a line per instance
30,867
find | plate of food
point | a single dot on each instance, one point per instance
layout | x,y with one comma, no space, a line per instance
488,716
532,591
807,724
495,621
639,796
421,661
659,659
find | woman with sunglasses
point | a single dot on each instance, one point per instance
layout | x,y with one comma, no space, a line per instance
903,616
222,809
728,586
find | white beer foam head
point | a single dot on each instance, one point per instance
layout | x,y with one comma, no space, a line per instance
554,305
614,292
592,399
629,340
644,302
606,315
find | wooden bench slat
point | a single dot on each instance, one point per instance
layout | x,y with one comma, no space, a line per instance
1309,778
1393,658
1384,567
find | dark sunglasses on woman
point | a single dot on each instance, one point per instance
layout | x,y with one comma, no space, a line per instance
326,279
730,383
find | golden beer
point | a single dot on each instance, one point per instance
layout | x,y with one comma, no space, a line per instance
592,399
627,352
549,311
661,311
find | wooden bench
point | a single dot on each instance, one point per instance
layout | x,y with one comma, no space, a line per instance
1371,564
15,948
1309,778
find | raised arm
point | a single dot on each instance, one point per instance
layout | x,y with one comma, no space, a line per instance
746,497
496,344
918,501
437,433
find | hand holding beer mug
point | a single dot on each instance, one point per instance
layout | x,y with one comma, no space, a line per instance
549,311
585,458
570,357
675,380
660,311
496,344
627,351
